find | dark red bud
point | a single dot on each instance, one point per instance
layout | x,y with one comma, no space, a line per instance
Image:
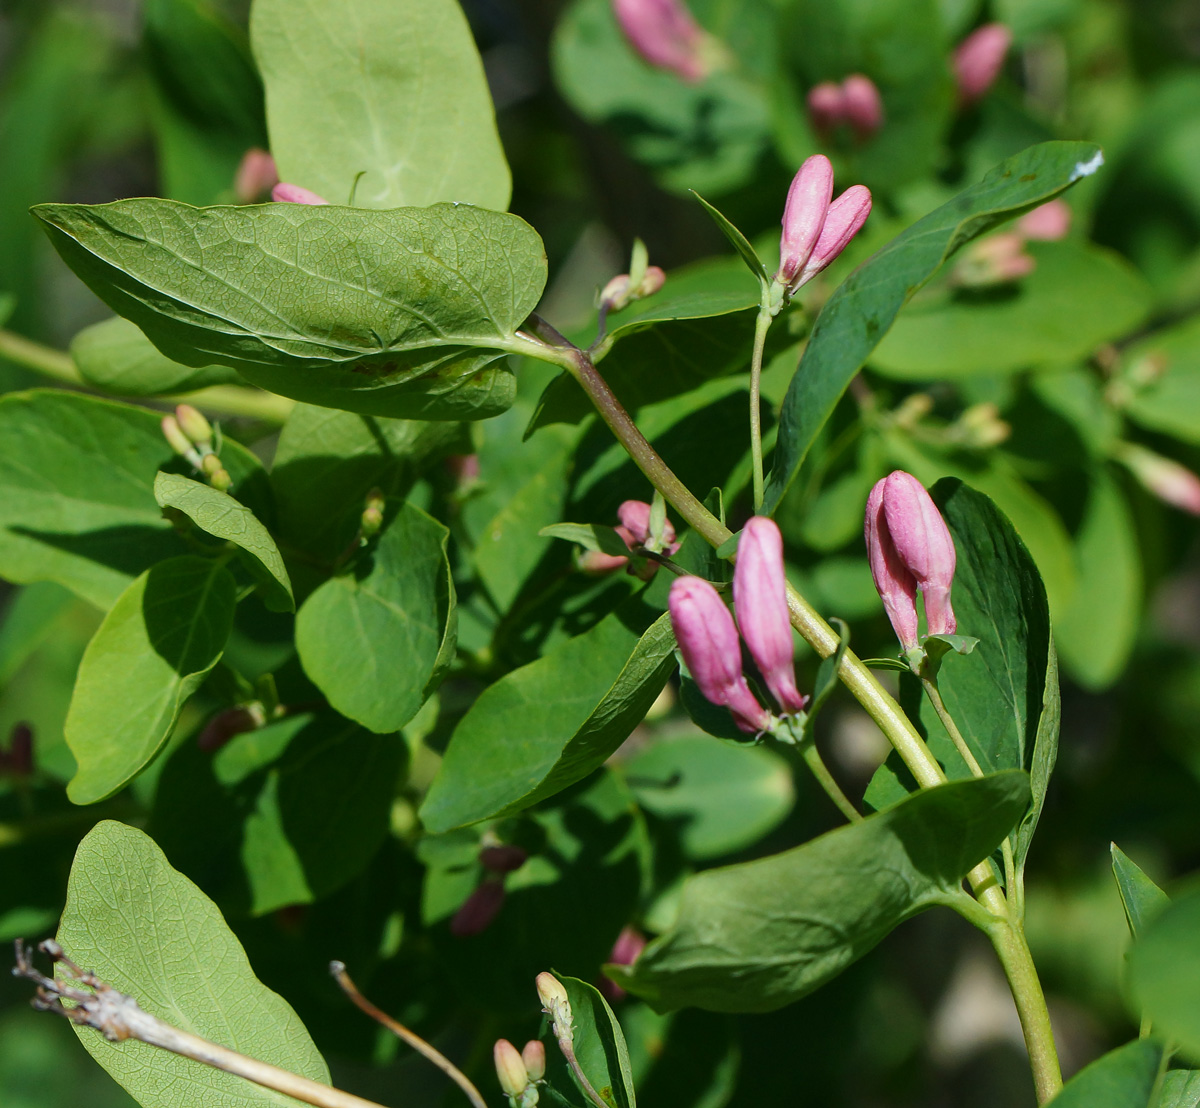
478,910
503,859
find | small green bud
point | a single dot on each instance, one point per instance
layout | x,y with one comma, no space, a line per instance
510,1069
194,425
218,476
372,516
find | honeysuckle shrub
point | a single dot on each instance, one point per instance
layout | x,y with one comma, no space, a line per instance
339,540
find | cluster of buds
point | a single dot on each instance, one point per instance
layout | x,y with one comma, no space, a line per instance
637,530
909,547
520,1072
816,228
284,193
978,60
190,435
641,281
854,103
256,176
1171,482
1001,259
708,637
17,760
483,905
667,36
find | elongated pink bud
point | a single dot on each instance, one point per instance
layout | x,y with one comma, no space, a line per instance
534,1057
978,60
193,424
844,220
664,33
804,216
630,943
862,104
1047,223
283,193
177,440
478,910
708,641
510,1068
760,600
894,582
826,107
503,858
256,176
635,518
923,542
995,260
1168,480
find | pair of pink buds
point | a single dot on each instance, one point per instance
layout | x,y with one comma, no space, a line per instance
708,637
634,528
909,547
855,102
817,228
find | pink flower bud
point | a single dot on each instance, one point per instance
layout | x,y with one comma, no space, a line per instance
844,220
616,293
1168,480
510,1068
760,600
664,33
862,105
995,260
463,468
504,858
193,424
630,943
921,542
1047,223
804,216
635,518
256,176
178,441
534,1057
597,563
708,641
826,107
652,280
283,193
978,60
896,586
478,910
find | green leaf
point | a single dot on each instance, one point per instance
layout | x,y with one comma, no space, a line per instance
419,125
668,344
376,640
600,1044
1004,694
404,313
1079,297
591,536
225,518
77,491
115,356
150,933
1180,1089
281,815
859,313
1141,898
707,136
550,723
1164,973
721,797
327,462
163,635
1096,632
756,936
736,239
1122,1078
1169,401
29,617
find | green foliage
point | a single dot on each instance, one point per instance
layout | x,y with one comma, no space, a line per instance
1164,966
268,290
758,935
600,1044
148,931
1123,1078
1141,898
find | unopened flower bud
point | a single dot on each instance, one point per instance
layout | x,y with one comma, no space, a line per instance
708,641
760,601
19,760
1047,223
557,1005
664,33
978,60
503,858
843,221
225,725
372,514
983,426
894,582
996,260
596,563
616,293
804,216
194,425
463,468
178,441
652,280
256,176
620,292
510,1068
478,910
826,107
862,105
534,1057
284,193
1168,480
218,476
629,945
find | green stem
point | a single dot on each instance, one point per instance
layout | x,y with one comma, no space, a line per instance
230,400
943,713
1008,939
814,761
761,327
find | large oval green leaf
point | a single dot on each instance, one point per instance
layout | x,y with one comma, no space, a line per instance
756,936
859,313
406,312
415,119
149,932
163,635
1164,973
